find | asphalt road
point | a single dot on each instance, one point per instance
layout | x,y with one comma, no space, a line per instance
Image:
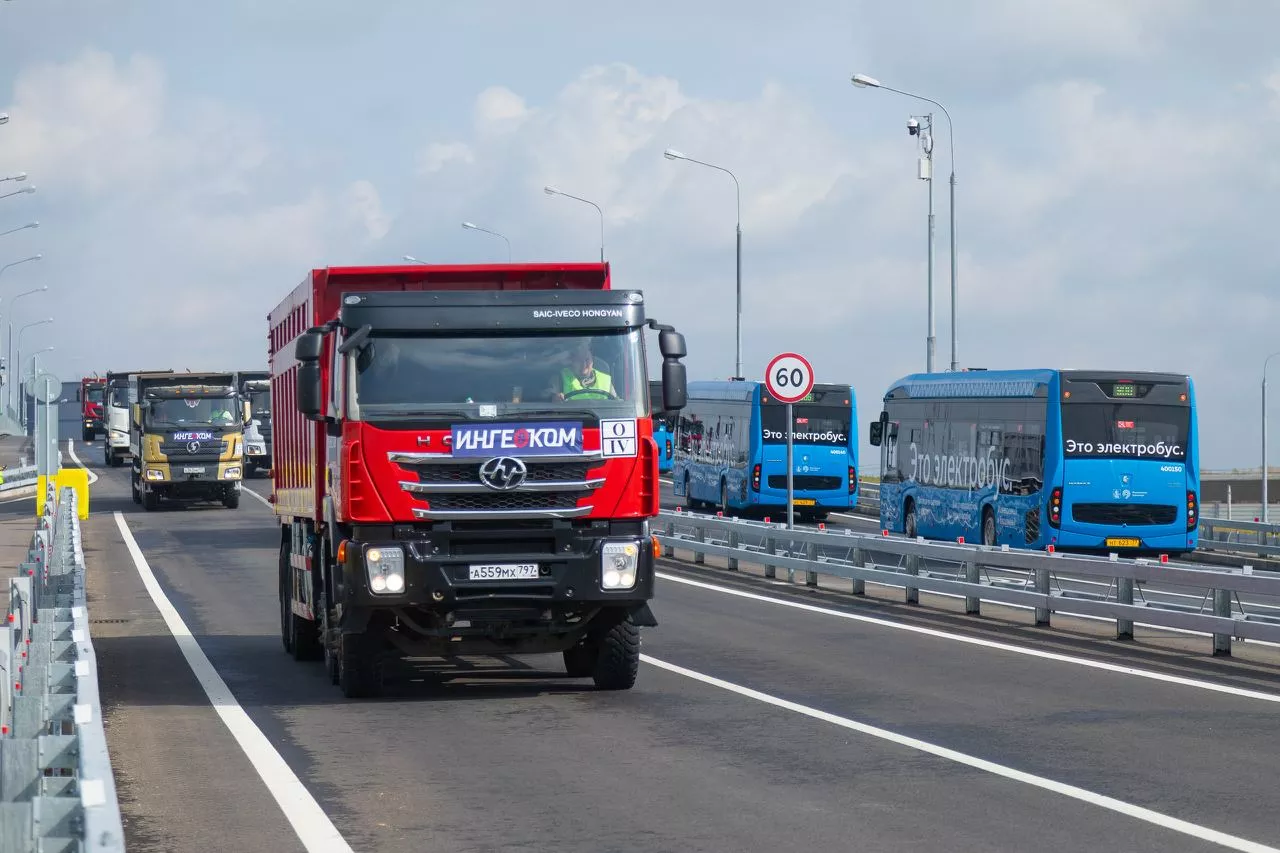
862,735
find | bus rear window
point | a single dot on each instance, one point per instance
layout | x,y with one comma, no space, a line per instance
1125,431
827,425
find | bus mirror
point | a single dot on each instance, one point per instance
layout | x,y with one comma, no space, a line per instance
307,349
308,388
877,433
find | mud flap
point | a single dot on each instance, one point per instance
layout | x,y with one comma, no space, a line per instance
643,617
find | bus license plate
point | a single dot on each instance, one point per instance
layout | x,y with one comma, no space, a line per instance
1123,543
804,502
505,572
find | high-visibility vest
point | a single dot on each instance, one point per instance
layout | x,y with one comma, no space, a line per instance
571,382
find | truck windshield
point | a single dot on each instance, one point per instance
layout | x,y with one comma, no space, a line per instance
207,411
261,401
94,395
119,397
518,373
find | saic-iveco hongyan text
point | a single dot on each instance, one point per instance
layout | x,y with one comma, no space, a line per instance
464,465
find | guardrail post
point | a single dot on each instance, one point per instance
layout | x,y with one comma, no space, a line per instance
732,562
1042,587
859,560
700,536
770,548
811,554
913,569
669,550
1222,609
1124,595
972,604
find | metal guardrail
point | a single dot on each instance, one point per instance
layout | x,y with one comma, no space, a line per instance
18,478
57,790
1031,577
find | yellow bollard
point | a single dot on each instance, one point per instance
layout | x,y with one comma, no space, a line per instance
76,478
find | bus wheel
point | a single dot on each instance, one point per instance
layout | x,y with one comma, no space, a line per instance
988,527
909,523
724,498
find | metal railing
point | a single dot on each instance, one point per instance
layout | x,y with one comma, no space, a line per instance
1002,575
57,790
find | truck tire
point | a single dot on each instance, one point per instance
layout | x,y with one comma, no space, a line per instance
618,657
359,666
134,488
150,501
87,435
231,500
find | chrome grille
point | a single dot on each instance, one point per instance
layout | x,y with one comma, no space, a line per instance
453,490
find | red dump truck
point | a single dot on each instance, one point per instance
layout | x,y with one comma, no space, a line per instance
465,466
92,391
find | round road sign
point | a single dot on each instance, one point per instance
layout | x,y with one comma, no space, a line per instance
789,377
44,387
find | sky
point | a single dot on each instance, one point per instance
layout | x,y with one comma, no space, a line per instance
1115,167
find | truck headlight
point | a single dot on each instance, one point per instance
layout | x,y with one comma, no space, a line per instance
154,474
385,568
619,562
256,450
232,472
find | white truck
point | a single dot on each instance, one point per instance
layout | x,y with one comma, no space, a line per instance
121,394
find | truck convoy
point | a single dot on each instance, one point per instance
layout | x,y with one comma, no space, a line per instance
92,390
255,386
187,438
466,467
120,393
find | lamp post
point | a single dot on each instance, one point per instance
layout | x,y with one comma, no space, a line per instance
862,81
21,176
554,191
30,188
4,118
471,226
9,344
672,154
23,409
925,173
20,228
1266,363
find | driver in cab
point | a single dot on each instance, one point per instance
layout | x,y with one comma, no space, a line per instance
581,379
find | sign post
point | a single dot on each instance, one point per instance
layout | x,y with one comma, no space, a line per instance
45,388
789,379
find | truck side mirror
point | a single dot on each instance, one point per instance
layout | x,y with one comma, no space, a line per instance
675,383
307,388
248,413
877,433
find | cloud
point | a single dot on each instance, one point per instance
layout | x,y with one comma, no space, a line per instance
169,234
1083,236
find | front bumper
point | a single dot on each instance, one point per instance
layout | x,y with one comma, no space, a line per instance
438,568
118,438
208,474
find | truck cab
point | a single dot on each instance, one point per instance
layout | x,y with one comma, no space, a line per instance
255,387
91,394
187,439
120,393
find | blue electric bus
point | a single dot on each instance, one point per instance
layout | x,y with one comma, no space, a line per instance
1081,460
664,427
731,449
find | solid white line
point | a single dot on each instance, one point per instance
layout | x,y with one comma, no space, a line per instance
977,641
71,451
313,827
259,498
1094,799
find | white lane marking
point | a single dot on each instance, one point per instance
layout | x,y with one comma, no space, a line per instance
313,827
71,451
1094,799
978,641
257,497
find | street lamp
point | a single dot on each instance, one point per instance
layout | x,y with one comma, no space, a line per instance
925,173
672,154
4,118
1265,364
411,259
21,176
862,81
554,191
15,263
9,344
20,228
473,227
30,188
23,409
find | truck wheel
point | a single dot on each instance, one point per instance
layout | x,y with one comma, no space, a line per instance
359,666
231,500
135,488
286,598
87,435
150,501
618,657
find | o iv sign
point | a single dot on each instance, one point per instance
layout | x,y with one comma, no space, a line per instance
789,377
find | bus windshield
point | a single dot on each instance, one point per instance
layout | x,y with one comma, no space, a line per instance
1125,431
822,425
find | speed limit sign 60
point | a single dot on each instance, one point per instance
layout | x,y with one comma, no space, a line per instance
789,377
